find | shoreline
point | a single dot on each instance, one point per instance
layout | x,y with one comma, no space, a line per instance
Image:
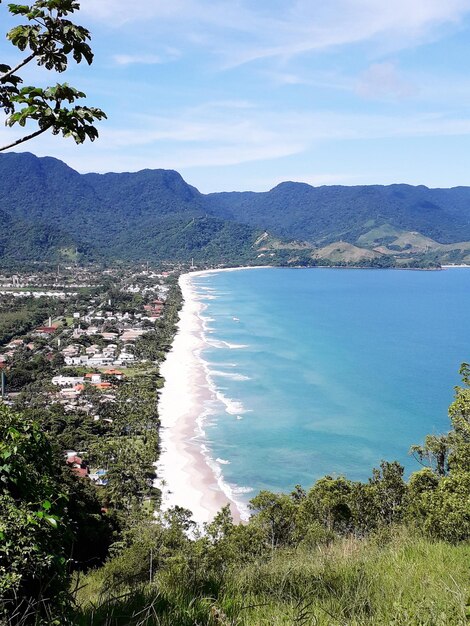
187,475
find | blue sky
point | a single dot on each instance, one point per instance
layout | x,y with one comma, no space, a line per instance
237,94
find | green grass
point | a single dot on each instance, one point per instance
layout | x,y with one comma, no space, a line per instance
397,581
407,582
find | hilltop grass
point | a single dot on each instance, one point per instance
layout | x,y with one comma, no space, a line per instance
394,580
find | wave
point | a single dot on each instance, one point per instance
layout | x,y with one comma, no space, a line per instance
230,375
239,490
218,402
231,491
232,407
216,343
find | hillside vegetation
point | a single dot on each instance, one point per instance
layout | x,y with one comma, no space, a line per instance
377,553
51,212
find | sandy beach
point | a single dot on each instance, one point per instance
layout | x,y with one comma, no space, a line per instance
187,475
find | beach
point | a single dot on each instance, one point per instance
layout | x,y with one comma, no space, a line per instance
187,475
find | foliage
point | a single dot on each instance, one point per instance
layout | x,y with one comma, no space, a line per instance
338,213
441,492
375,553
49,38
405,581
33,535
154,214
18,316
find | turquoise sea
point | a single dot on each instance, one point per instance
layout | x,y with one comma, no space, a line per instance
328,371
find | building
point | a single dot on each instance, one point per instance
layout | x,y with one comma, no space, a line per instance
116,373
67,381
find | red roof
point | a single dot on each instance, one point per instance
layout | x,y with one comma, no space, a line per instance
74,459
80,471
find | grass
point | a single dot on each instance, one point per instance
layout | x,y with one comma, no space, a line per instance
402,581
407,582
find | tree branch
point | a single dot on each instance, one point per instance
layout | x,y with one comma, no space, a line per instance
27,138
18,67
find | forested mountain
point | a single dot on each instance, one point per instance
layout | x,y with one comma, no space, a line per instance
332,213
48,210
150,214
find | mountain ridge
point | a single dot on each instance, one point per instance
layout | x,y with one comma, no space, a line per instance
156,214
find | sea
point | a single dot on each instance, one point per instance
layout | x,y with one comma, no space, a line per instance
326,371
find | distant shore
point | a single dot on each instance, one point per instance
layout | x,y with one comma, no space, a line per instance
187,476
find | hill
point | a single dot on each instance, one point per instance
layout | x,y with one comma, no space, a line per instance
332,213
50,211
147,215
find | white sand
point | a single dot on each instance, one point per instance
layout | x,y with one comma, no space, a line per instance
187,476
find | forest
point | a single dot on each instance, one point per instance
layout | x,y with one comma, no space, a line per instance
156,215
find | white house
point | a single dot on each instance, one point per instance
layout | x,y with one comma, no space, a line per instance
76,360
98,360
67,381
125,357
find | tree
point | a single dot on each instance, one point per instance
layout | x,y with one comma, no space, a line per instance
327,502
450,451
389,490
439,494
275,514
33,532
49,39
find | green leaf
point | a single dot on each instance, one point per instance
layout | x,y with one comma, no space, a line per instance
52,521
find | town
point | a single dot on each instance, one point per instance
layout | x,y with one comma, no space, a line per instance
82,348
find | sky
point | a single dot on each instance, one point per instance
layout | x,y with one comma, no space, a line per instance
241,95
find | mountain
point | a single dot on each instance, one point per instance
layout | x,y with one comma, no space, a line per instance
146,215
331,213
49,211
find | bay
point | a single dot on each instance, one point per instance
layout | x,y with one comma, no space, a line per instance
327,371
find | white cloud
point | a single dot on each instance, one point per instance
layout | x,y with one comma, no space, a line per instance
198,137
116,13
167,55
243,31
231,133
136,59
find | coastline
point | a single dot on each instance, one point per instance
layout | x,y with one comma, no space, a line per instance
187,475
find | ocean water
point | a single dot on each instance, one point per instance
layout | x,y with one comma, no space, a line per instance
327,371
